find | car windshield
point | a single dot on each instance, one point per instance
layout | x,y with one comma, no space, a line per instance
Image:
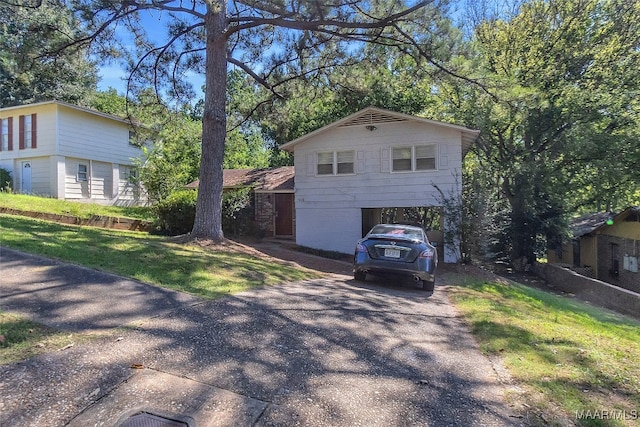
395,231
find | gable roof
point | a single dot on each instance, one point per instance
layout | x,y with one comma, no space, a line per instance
267,179
371,116
589,223
70,106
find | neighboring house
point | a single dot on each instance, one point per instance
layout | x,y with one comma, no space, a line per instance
68,152
348,171
605,247
274,212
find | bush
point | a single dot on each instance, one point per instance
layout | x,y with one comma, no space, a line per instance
5,180
237,212
177,212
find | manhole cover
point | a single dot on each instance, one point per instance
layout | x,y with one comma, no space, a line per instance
150,420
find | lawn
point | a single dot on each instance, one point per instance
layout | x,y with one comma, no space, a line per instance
209,272
191,268
574,361
81,210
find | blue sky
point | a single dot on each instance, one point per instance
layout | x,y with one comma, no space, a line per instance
114,74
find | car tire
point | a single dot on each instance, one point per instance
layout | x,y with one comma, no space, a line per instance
360,276
428,286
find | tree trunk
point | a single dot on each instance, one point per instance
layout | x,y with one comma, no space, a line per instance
208,221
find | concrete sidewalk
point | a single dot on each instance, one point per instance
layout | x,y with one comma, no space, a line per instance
316,353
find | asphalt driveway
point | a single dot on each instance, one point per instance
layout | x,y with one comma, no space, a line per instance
327,352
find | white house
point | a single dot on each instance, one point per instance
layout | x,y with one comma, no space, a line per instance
68,152
370,160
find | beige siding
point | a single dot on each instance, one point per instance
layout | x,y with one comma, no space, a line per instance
40,176
84,135
68,136
589,253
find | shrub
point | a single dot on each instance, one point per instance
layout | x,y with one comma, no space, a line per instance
5,180
237,212
177,212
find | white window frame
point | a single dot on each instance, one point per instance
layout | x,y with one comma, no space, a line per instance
28,131
414,160
80,173
4,134
334,164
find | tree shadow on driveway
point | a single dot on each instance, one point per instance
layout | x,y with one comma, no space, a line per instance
329,351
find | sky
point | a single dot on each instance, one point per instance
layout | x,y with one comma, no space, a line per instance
114,75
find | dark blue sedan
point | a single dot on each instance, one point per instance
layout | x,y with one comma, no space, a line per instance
396,249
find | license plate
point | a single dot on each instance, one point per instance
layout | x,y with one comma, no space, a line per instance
392,253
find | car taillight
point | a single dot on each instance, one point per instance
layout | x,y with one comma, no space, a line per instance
427,253
361,248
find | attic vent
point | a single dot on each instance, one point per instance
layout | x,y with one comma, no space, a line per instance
373,117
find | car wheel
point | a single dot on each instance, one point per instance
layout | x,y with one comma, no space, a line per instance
360,276
428,286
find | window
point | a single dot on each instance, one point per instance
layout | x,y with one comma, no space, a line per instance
6,134
82,173
325,163
402,159
345,162
425,157
336,163
28,131
415,158
133,175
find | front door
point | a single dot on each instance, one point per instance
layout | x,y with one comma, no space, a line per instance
284,214
26,178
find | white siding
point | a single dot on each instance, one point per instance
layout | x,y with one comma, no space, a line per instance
101,177
328,208
74,188
128,192
374,185
329,229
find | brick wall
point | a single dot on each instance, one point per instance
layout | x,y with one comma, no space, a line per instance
625,278
593,290
264,213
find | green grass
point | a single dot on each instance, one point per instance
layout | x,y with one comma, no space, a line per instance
81,210
21,338
570,357
151,259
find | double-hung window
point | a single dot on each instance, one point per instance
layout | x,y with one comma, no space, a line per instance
82,173
414,158
335,163
6,143
27,129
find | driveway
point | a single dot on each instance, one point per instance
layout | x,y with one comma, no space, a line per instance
326,352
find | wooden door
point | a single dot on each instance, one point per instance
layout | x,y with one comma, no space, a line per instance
284,214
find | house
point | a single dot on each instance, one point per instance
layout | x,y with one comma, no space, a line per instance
68,152
272,189
349,171
605,247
